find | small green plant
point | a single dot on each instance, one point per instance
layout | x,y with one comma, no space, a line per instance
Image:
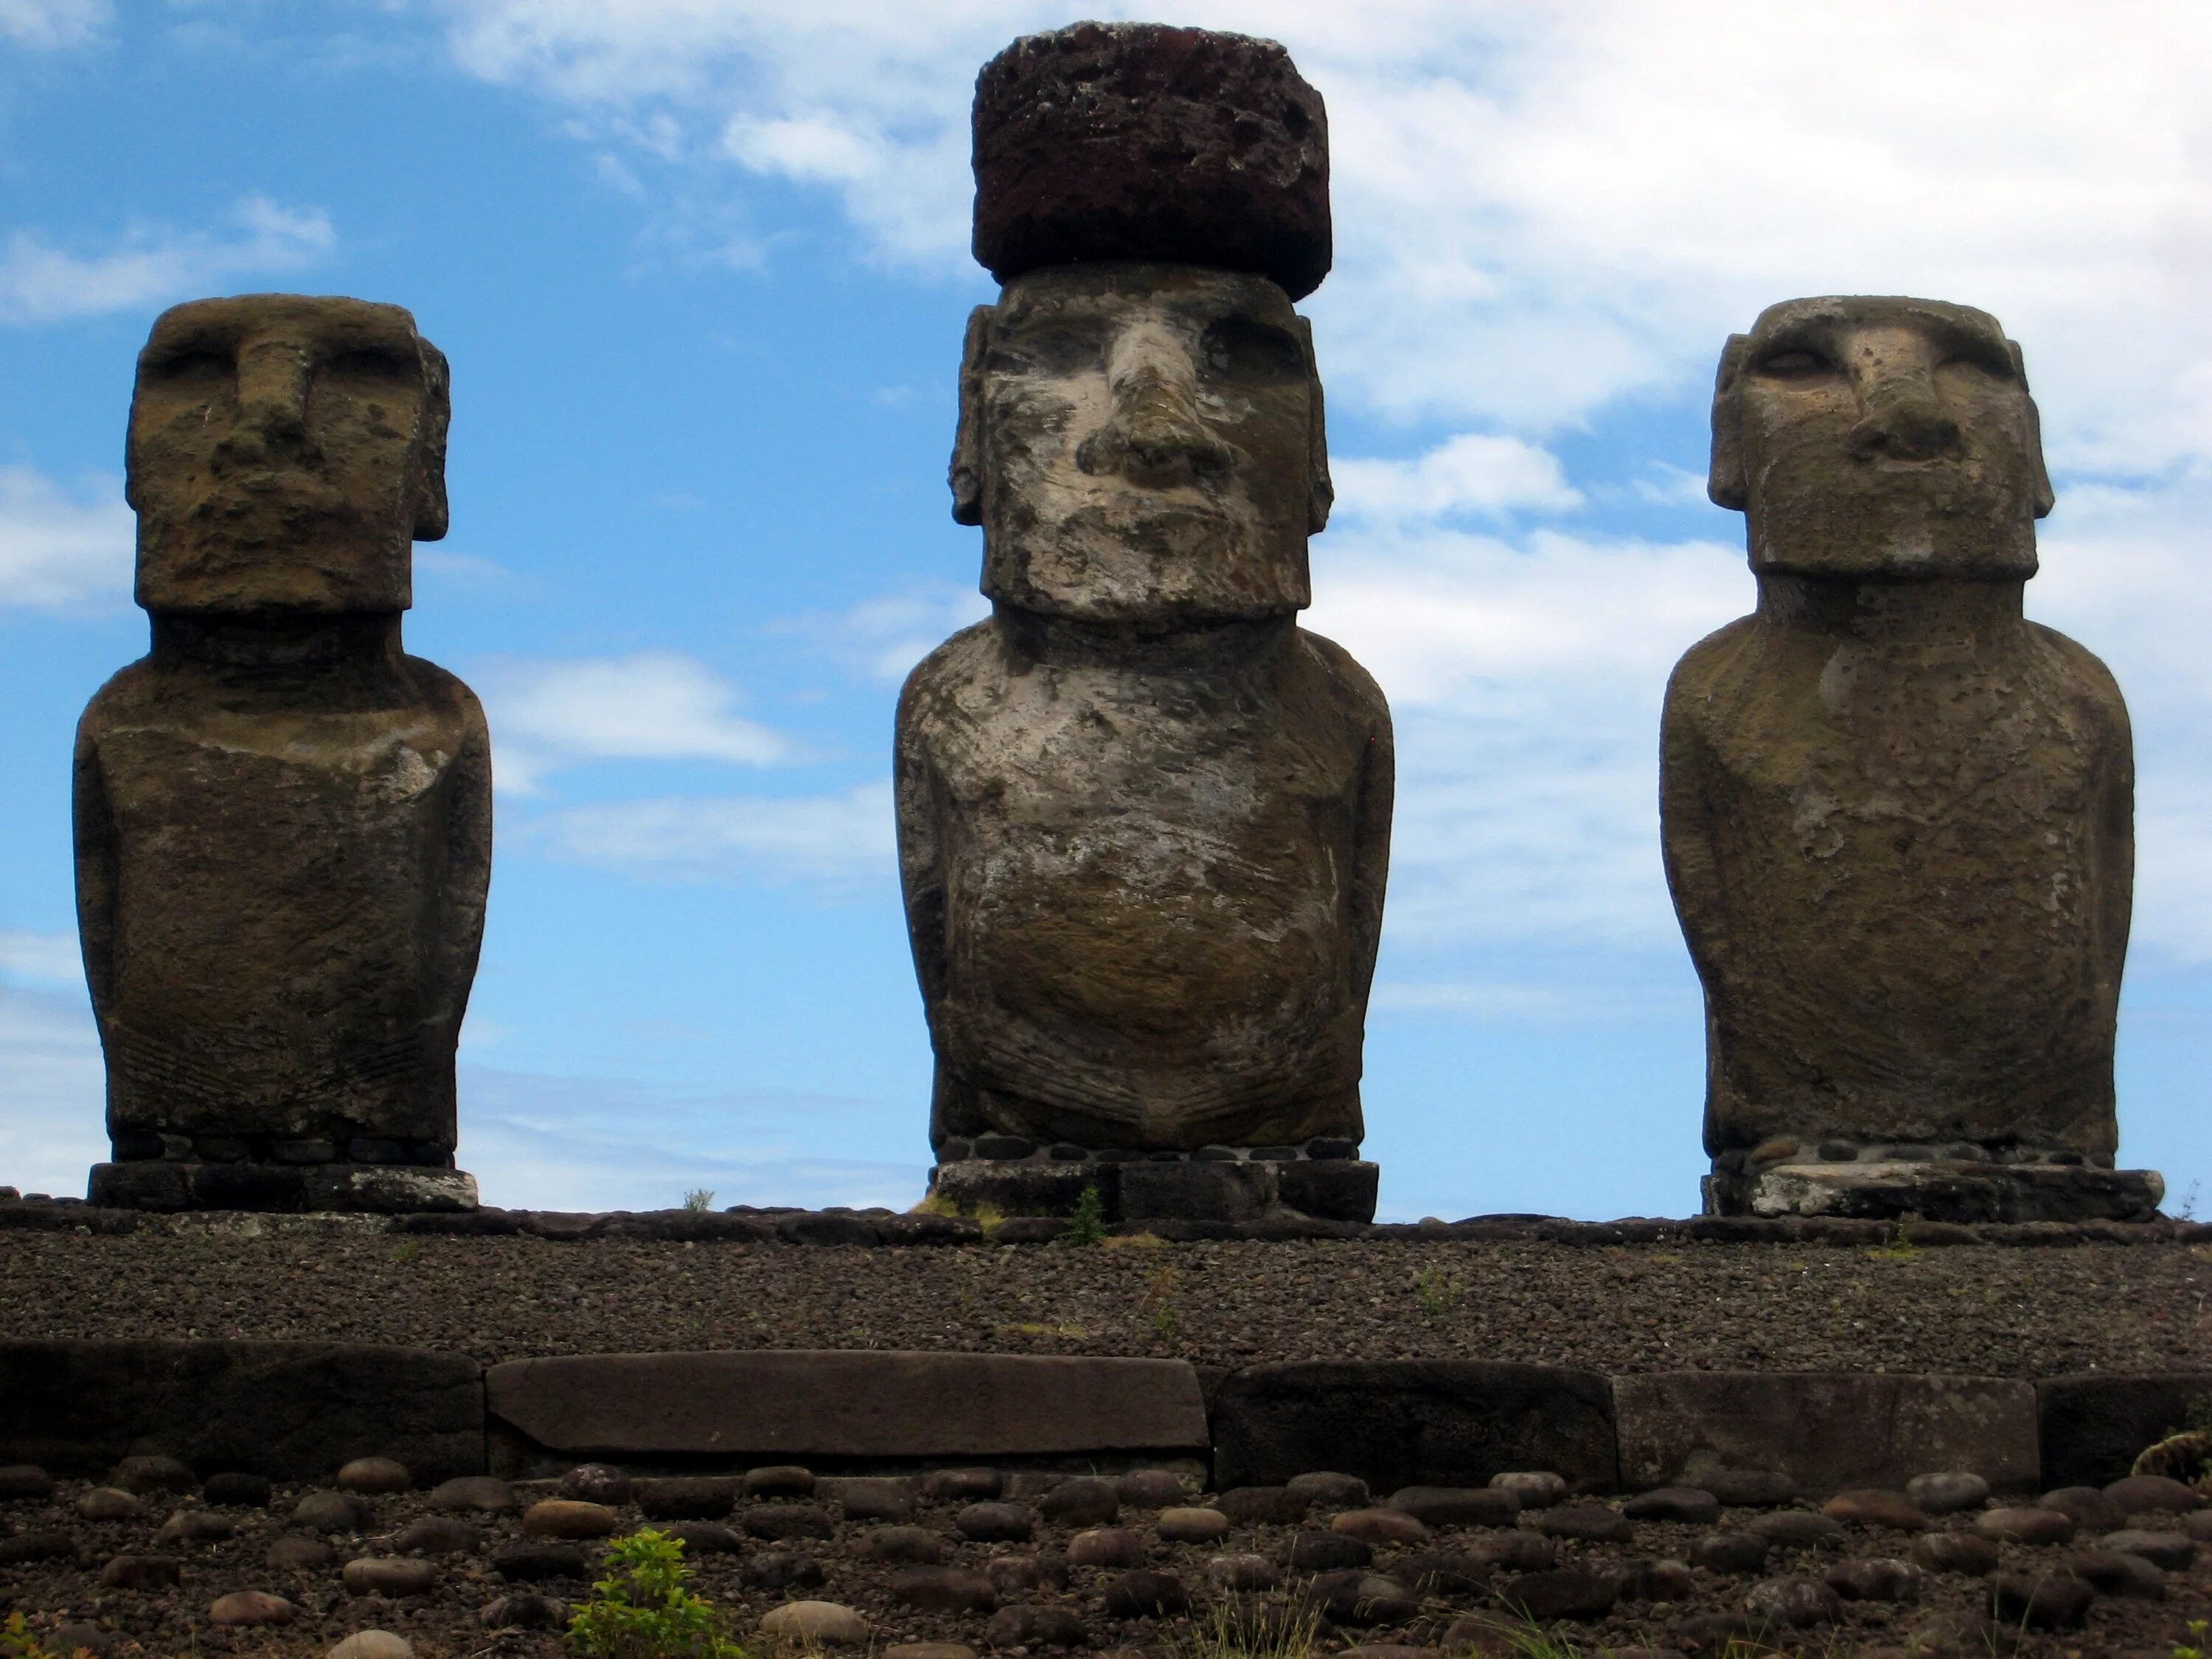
641,1609
1157,1303
2186,1209
699,1200
984,1215
17,1642
1253,1631
1088,1224
2194,1647
1436,1291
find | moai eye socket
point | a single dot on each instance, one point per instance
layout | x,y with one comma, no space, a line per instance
1238,348
192,368
372,366
1794,364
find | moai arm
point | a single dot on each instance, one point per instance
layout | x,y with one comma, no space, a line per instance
468,865
1686,823
921,870
1371,868
97,848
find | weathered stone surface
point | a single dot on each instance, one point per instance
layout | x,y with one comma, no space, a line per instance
300,1555
2085,1506
695,1498
1948,1493
2172,1550
283,822
2035,1526
2028,1601
1956,1552
606,1483
1457,1506
1691,1504
1731,1553
287,1410
1898,818
525,1613
1380,1528
850,1404
943,1589
1107,1547
1397,1423
155,1472
1260,1506
1876,1506
2134,1494
251,1607
995,1523
567,1517
1083,1501
329,1511
438,1535
483,1494
812,1624
1140,141
1794,1602
373,1575
1943,1191
1046,1626
110,1503
21,1482
1329,1490
374,1474
1151,1489
1563,1593
1875,1579
1592,1522
1330,1551
1533,1489
1827,1430
142,1571
371,1644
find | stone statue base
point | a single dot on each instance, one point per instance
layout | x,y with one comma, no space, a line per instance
1323,1181
374,1189
1952,1183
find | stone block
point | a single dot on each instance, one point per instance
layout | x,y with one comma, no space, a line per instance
803,1406
1829,1431
1416,1422
291,1410
974,1184
1330,1189
2092,1426
367,1188
1941,1191
1189,1190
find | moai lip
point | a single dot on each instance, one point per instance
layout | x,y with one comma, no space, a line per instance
1144,818
282,821
1898,817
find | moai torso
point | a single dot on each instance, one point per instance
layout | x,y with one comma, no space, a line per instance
1898,817
283,822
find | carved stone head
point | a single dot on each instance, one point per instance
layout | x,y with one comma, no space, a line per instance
1878,438
285,452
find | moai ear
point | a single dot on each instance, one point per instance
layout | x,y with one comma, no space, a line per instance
1725,483
2046,498
429,481
1320,491
967,474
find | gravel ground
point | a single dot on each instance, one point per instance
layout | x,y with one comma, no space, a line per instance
1974,1310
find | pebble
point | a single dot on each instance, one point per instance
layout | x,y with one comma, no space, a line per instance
1795,1529
236,1489
567,1517
2138,1492
1692,1506
2109,1572
1591,1522
780,1570
299,1555
1655,1581
1963,1553
1146,1596
1243,1574
438,1535
148,1474
533,1563
1383,1528
20,1482
1262,1506
995,1523
1364,1598
1536,1488
1563,1593
388,1575
377,1475
525,1612
958,1485
1749,1489
196,1526
251,1607
2088,1506
943,1589
1457,1506
1150,1489
780,1480
1948,1493
2039,1602
902,1546
1325,1489
484,1493
329,1511
1875,1506
1730,1551
1795,1601
1876,1578
1326,1552
599,1483
1191,1526
2036,1526
141,1572
1106,1547
697,1499
1036,1627
373,1644
828,1623
2172,1550
110,1503
1083,1501
779,1522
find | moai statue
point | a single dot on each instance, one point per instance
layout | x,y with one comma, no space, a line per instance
1899,817
1144,818
283,822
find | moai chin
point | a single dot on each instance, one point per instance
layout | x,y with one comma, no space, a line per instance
1144,818
283,822
1898,817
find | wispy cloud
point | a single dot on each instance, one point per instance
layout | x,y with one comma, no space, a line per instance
47,24
42,282
52,1087
64,548
831,840
1474,474
44,959
884,637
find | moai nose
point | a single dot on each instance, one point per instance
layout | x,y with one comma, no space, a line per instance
272,409
1155,436
1905,421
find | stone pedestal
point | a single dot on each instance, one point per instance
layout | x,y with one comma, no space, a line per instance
1959,1183
373,1189
1321,1181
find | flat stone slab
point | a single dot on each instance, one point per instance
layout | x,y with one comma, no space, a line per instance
2094,1425
1186,1189
1830,1431
793,1405
1942,1191
366,1189
291,1410
1412,1422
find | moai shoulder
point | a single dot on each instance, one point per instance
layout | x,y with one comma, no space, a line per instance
1144,818
282,821
1897,816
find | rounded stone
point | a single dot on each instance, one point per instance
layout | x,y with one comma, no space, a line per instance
830,1623
1875,1506
1036,1627
1964,1553
2172,1550
1146,1596
2040,1601
1191,1526
1083,1501
1948,1493
1796,1529
780,1480
1325,1489
599,1483
705,1537
1796,1602
567,1517
2036,1526
2091,1511
1561,1593
524,1612
1326,1552
1457,1506
141,1572
1150,1489
943,1589
995,1523
23,1482
73,1638
438,1535
44,1545
1755,1489
1535,1489
1106,1547
1739,1553
251,1607
1260,1506
875,1500
1383,1528
1657,1580
2138,1493
1022,1575
1138,141
371,1644
697,1499
2109,1572
387,1575
1876,1578
902,1546
299,1555
960,1486
236,1489
196,1526
110,1503
1243,1574
153,1474
780,1570
485,1493
778,1522
375,1475
1688,1505
1591,1523
329,1511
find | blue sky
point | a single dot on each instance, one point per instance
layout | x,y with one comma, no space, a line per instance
700,267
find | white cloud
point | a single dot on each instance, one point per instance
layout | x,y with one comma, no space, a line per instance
53,1091
1474,473
828,839
49,23
40,958
652,705
64,548
884,637
40,283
